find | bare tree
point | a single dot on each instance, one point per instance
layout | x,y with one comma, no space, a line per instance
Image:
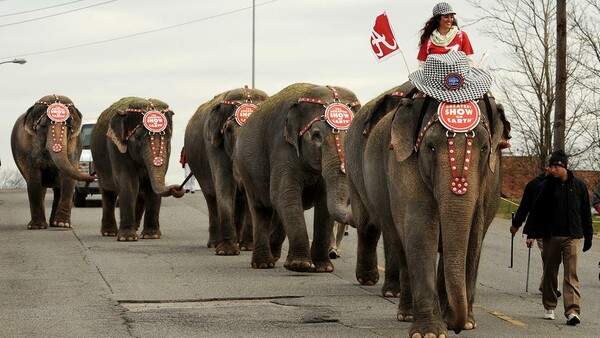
527,80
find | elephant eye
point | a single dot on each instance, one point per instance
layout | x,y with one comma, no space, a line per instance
430,147
317,136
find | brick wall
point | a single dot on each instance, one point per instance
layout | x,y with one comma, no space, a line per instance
518,170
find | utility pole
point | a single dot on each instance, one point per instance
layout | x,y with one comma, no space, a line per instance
560,105
253,16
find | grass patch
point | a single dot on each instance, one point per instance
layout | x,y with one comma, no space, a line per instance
507,207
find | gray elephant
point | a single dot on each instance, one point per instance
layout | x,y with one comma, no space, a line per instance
289,158
46,145
429,188
210,137
131,143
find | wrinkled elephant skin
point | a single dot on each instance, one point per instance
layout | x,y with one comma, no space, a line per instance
403,188
47,154
210,137
131,143
288,160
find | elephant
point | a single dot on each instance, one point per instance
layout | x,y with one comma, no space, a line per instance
46,144
403,183
210,137
130,144
289,158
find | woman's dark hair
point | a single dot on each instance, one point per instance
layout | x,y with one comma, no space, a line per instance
432,24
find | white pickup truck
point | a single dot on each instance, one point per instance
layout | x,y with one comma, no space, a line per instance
86,164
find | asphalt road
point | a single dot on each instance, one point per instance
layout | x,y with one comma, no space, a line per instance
76,283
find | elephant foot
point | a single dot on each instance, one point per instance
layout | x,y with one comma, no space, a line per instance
227,248
109,231
405,312
428,329
34,225
151,234
299,264
390,289
325,266
404,317
370,277
212,243
61,224
246,246
268,264
126,236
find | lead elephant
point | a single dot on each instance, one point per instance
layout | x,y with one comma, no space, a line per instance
402,182
210,137
46,145
289,158
131,143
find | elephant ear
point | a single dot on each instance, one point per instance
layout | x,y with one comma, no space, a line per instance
75,122
117,131
405,123
500,132
378,110
292,127
30,120
214,123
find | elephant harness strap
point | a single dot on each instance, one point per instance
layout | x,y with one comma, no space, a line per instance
457,118
58,113
338,115
243,109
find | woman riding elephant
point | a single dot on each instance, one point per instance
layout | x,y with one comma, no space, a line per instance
210,137
289,158
131,143
430,171
46,145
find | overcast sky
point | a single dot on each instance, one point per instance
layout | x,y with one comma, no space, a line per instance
184,52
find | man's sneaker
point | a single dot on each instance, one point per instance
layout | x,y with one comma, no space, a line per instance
558,294
573,319
549,314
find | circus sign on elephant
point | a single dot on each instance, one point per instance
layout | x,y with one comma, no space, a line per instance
155,121
243,112
58,112
459,117
339,116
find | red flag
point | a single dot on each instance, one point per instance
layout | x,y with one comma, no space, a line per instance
383,42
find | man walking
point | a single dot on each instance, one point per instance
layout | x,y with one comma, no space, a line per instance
530,193
562,217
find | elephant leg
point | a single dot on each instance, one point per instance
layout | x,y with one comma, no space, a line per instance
213,219
421,246
405,306
227,244
128,193
151,215
37,207
55,200
367,272
63,204
109,222
262,258
292,217
322,233
277,236
140,207
243,222
391,249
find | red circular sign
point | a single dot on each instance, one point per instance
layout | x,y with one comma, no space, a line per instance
155,121
339,116
459,117
58,112
243,112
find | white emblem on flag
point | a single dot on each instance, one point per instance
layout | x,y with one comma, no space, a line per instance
383,41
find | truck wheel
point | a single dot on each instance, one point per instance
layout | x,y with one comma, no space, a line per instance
79,199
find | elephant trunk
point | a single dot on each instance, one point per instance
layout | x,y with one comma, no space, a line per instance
58,145
455,232
338,192
157,178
